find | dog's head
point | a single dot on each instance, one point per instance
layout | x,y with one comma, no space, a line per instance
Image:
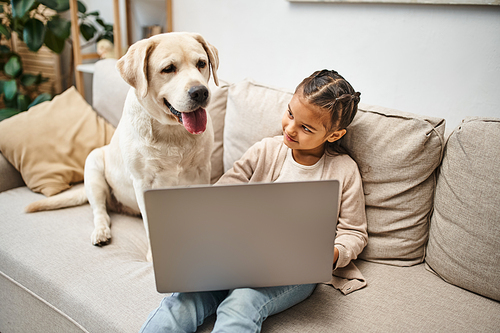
170,73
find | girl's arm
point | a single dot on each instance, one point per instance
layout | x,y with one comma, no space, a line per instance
243,169
352,235
335,256
260,163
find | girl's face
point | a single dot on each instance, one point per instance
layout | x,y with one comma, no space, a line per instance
305,130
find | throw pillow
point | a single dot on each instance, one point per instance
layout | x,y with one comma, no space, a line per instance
48,144
217,111
397,153
253,112
464,235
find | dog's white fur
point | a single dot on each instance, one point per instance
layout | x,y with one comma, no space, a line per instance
150,147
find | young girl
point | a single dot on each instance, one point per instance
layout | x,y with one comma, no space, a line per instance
322,107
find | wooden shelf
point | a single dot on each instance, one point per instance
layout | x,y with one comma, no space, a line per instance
86,68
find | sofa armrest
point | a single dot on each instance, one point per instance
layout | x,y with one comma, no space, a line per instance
9,176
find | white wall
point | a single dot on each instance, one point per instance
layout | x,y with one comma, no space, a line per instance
430,59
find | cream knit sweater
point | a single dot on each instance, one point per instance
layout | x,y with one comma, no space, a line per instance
263,163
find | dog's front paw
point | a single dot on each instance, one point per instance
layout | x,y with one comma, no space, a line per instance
101,236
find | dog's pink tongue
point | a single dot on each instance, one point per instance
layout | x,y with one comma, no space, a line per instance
195,122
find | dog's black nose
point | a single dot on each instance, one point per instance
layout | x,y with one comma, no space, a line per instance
198,93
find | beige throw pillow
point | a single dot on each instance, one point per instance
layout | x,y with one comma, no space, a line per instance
397,153
464,237
48,144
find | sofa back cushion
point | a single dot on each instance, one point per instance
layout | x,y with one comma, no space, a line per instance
217,110
253,112
464,240
396,152
109,91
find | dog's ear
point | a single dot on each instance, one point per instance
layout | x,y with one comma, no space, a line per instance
213,55
133,66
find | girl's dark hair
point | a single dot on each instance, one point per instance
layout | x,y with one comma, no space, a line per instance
328,90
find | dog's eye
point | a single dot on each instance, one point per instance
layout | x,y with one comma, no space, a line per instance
201,64
169,69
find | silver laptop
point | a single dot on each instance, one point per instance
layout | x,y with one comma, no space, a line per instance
248,235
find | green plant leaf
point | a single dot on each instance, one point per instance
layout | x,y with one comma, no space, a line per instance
52,4
60,27
21,7
53,42
34,34
107,36
81,7
27,80
4,49
11,103
23,102
58,5
7,113
10,89
101,22
4,30
88,31
13,67
43,97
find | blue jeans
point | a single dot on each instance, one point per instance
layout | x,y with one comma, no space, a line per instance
238,310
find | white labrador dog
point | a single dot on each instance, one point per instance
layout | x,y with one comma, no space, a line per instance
164,137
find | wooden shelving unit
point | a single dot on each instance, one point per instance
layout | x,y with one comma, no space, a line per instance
117,29
43,62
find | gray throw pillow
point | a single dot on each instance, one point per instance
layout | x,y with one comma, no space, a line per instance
397,153
464,237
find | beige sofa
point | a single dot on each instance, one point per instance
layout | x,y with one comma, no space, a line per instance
432,263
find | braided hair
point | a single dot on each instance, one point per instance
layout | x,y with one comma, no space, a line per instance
328,90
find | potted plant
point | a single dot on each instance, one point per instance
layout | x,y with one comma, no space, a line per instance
37,23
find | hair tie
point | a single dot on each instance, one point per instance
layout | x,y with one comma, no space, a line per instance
348,97
343,97
325,72
356,97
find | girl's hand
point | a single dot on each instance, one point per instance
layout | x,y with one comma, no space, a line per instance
335,255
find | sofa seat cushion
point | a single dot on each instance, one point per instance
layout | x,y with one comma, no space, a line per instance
464,240
48,258
397,299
